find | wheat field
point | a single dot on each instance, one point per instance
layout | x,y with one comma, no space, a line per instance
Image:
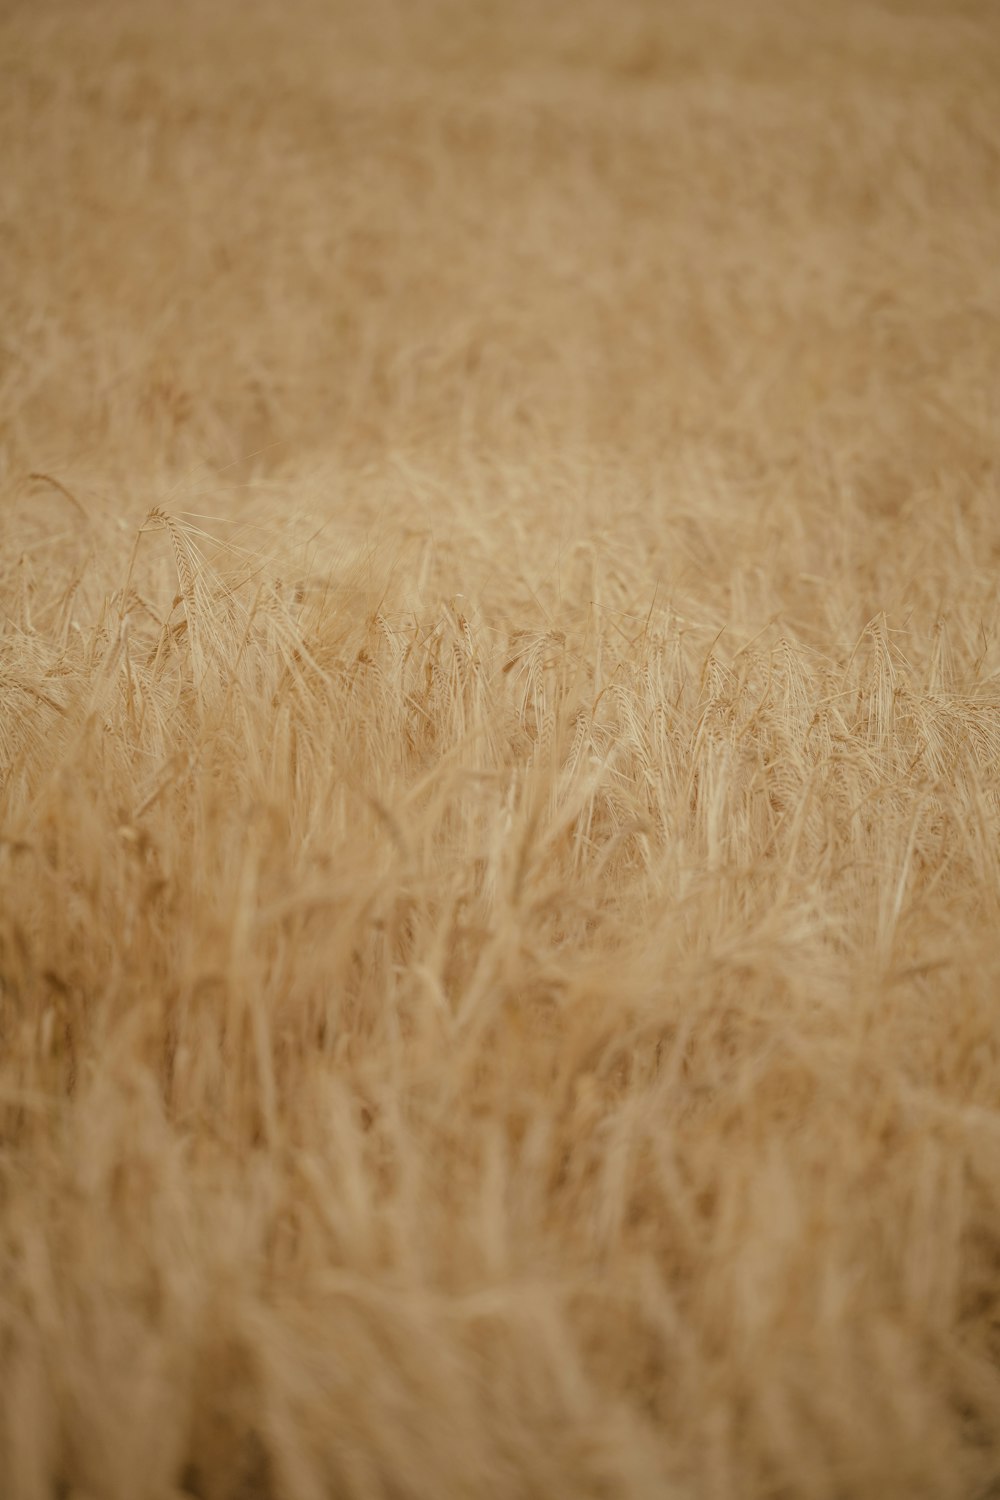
500,750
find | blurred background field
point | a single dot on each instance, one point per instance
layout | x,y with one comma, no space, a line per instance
499,749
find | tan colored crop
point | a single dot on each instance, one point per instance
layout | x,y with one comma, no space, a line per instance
499,750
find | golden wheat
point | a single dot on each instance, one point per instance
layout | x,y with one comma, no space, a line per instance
500,750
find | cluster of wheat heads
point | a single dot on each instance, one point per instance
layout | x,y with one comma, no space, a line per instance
534,1046
499,734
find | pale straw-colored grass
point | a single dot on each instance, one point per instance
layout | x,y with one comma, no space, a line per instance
500,750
